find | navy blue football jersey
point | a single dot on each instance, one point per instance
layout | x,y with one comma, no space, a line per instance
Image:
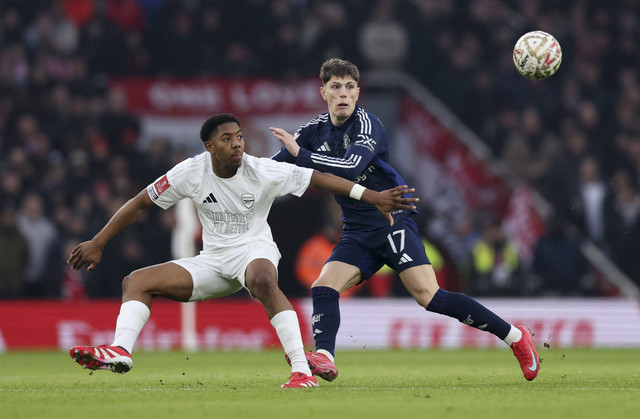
356,150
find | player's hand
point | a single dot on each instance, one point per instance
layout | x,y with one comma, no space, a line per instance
286,139
392,199
85,252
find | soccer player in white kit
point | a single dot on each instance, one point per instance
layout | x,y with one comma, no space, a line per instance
233,193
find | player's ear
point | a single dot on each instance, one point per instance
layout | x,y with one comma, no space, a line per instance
209,146
323,93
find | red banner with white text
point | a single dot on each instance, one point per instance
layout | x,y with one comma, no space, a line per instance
366,324
235,324
174,109
559,322
191,97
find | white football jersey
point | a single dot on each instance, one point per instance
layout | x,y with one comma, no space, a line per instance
232,211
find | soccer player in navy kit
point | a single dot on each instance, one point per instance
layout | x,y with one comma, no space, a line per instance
352,143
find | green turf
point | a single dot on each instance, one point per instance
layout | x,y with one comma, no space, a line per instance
372,384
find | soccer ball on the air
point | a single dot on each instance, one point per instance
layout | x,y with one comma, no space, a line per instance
537,55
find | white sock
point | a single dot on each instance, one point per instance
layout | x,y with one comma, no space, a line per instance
132,318
326,353
288,330
514,335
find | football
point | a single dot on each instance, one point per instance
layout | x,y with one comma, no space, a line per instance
537,55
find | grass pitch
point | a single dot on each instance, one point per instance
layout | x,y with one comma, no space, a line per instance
486,383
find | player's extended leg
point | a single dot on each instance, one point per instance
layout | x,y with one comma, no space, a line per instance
261,280
421,283
334,278
138,289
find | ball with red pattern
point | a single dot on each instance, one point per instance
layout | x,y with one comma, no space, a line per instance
537,55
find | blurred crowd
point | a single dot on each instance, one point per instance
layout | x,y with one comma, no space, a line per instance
68,148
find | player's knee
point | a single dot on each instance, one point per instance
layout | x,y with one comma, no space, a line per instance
423,300
131,284
262,284
126,284
423,296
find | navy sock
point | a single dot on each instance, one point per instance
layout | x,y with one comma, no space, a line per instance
325,321
468,311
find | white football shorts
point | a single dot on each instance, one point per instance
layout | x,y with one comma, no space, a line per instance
222,273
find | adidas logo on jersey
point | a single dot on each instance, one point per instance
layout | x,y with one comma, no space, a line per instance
210,199
404,259
324,147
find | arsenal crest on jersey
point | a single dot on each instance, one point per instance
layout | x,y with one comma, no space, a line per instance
248,199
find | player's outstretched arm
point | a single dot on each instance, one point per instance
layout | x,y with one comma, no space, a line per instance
385,201
91,251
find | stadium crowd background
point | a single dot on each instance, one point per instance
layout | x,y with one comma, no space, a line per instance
68,151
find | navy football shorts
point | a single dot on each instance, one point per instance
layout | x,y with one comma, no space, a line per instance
398,246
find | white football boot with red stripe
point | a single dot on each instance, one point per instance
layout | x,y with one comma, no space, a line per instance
103,357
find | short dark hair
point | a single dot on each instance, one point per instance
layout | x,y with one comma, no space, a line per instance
339,68
212,124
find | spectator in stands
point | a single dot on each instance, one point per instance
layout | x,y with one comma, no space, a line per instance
328,32
239,60
592,193
383,41
15,253
136,57
42,237
177,53
496,268
56,58
564,171
531,150
623,225
101,44
559,266
127,14
211,39
118,125
284,47
11,185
